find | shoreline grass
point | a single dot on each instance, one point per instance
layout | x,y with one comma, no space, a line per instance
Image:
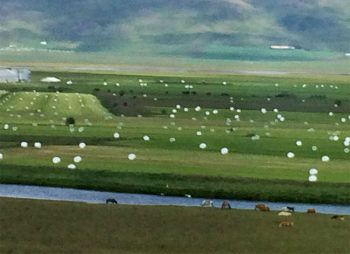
242,188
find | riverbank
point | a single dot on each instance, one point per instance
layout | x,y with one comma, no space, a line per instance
57,227
179,185
99,197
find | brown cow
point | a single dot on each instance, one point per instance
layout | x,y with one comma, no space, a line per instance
265,209
286,224
259,206
311,210
262,208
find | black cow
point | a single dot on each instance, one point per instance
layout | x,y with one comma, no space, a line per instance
290,208
111,200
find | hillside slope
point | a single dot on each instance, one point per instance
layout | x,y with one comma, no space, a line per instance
178,27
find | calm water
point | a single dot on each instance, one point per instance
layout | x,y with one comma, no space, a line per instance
66,194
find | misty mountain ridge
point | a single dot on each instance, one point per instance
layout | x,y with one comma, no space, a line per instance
175,27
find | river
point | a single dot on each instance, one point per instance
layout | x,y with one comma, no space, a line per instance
89,196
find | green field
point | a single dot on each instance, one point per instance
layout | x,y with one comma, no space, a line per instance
139,63
163,108
62,227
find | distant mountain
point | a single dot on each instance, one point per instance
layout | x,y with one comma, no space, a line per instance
177,27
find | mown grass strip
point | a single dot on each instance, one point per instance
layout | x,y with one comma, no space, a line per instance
178,185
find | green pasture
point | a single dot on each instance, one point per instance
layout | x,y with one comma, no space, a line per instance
313,63
64,227
313,110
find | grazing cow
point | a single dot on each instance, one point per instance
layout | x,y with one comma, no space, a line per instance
226,205
283,213
311,210
111,200
259,206
265,209
207,203
286,224
338,217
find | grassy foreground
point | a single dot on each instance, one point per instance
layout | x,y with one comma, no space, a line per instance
29,226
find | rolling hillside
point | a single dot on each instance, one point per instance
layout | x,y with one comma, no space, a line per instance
218,29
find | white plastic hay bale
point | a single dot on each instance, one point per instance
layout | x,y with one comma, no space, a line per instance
69,82
116,135
313,171
82,145
199,133
172,140
24,144
299,143
347,141
37,145
263,110
290,155
312,178
255,137
314,148
215,111
146,138
77,159
50,80
203,146
71,166
132,156
56,160
1,156
197,109
325,158
224,151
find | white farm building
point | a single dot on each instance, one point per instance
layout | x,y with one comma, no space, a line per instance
10,75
